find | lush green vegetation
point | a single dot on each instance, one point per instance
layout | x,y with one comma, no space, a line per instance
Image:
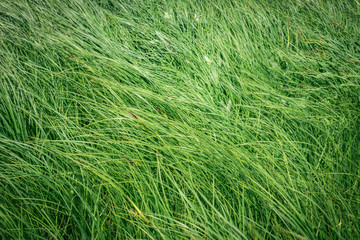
124,119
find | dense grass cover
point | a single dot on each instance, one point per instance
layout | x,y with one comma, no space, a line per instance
124,119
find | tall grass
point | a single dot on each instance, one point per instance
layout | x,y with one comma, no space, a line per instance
184,119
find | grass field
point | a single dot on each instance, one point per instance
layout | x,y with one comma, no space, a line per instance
224,119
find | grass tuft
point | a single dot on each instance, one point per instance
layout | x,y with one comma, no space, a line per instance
179,119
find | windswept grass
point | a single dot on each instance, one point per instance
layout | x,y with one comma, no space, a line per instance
124,119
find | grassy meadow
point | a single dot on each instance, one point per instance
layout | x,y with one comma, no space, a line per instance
154,119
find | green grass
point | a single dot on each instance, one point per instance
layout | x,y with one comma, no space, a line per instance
124,119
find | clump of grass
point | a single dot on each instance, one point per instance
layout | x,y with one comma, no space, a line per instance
179,119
